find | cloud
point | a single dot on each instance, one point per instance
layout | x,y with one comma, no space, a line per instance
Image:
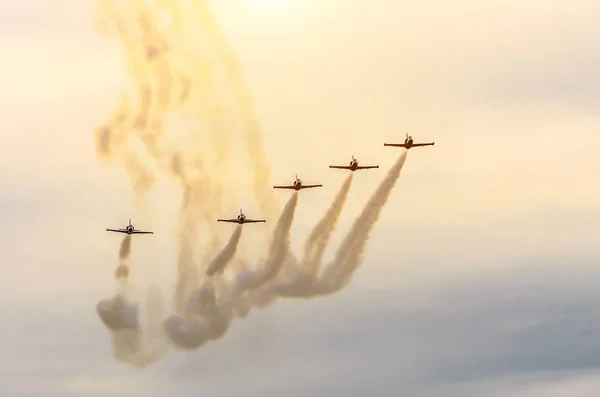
537,56
494,335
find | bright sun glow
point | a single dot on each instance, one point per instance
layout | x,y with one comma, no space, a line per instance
268,6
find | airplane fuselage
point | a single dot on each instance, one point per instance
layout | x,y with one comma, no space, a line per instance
408,143
241,218
353,165
129,229
296,185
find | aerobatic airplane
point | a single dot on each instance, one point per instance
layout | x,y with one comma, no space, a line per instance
129,229
297,185
408,143
241,219
353,166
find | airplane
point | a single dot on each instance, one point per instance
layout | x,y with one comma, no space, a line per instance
353,166
241,219
129,229
297,185
408,143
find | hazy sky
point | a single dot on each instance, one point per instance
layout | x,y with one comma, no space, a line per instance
479,279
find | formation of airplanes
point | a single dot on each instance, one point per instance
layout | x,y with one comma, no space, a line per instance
297,185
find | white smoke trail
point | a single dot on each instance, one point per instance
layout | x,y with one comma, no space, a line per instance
314,248
185,73
132,344
136,346
280,246
202,321
226,255
350,253
250,288
318,239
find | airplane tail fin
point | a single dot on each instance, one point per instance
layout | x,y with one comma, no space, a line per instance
241,211
406,135
129,221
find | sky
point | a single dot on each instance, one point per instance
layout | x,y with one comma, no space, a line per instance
479,278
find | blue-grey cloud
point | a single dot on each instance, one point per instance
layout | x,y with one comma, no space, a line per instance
535,323
559,68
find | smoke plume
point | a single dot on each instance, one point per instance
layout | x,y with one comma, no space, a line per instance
226,255
315,247
181,118
125,249
317,241
132,344
202,320
350,253
187,101
280,246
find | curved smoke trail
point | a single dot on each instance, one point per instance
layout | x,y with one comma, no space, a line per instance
187,103
280,246
226,255
315,247
132,344
350,253
202,320
250,287
141,347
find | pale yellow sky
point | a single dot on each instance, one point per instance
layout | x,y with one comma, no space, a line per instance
507,89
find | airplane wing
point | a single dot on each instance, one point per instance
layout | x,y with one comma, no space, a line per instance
340,167
395,144
309,186
117,230
366,167
423,144
254,221
283,187
141,232
228,220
